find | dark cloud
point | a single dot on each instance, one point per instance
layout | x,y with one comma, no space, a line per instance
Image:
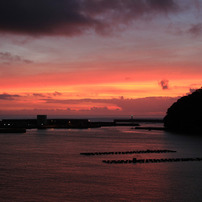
56,93
7,57
196,29
98,110
148,105
142,106
128,8
39,95
70,17
164,84
6,96
46,95
164,5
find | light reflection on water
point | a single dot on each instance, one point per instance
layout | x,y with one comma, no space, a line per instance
46,165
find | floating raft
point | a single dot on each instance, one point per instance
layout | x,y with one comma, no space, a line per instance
150,160
128,152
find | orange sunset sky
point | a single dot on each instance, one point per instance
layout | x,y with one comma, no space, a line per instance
98,57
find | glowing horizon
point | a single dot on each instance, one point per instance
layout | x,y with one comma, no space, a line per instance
99,58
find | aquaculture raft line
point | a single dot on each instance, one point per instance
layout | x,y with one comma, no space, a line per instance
128,152
150,160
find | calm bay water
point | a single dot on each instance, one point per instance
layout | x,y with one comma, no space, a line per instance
46,165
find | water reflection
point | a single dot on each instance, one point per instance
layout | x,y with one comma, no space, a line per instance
47,166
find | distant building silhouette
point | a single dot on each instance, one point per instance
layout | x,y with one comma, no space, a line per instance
41,120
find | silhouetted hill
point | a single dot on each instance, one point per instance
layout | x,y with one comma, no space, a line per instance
185,115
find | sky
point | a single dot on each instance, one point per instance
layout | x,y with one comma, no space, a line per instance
98,57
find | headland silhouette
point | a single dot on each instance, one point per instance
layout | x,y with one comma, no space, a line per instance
185,115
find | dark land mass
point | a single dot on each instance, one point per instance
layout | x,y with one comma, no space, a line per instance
41,122
185,115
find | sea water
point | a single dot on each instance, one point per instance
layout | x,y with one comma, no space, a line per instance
46,165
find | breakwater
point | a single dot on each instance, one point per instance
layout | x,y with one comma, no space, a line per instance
134,160
128,152
12,130
149,128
